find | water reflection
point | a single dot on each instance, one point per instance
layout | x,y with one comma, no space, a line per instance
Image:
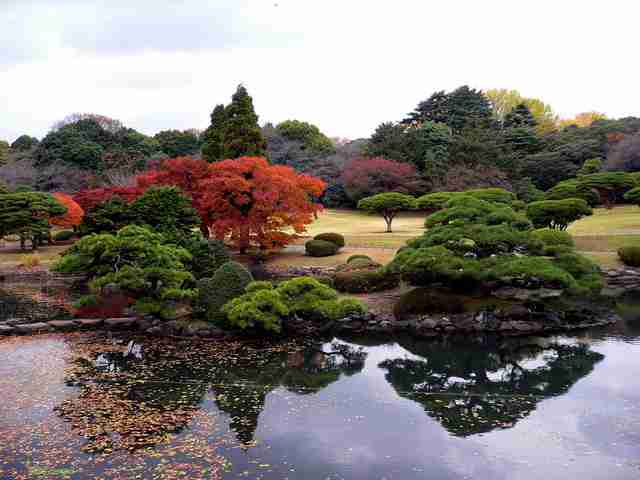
476,387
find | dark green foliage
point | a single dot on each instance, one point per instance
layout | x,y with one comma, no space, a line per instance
227,283
526,191
457,109
335,238
389,141
438,200
207,255
572,189
166,210
64,235
106,217
518,205
430,144
24,143
522,270
550,236
359,257
213,136
234,131
587,273
27,214
176,143
388,205
307,134
593,165
137,263
320,248
611,186
519,117
86,144
358,263
267,309
633,196
557,214
364,279
630,256
495,195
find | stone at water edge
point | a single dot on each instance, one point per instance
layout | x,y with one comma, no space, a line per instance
90,322
6,330
63,324
119,323
33,328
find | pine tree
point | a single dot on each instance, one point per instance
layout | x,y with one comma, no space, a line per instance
212,149
520,116
242,134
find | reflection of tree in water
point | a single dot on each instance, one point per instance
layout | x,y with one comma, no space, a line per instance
475,388
241,392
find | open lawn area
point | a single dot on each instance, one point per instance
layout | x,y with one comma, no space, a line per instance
600,235
12,256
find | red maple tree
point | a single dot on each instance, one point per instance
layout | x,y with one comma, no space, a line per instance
255,203
74,214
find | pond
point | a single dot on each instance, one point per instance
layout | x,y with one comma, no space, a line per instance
78,406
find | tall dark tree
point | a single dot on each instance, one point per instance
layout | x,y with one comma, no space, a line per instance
175,143
242,134
24,143
388,141
212,145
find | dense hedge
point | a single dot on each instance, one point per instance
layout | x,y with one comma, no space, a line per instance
438,200
571,189
320,248
630,256
358,257
267,308
363,275
207,256
550,236
334,238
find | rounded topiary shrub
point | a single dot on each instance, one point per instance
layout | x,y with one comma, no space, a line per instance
357,257
207,256
550,236
320,248
630,256
63,235
358,264
334,238
228,282
365,281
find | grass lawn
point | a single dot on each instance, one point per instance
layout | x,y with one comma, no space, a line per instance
11,255
600,235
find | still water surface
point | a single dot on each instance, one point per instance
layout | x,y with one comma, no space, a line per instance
554,408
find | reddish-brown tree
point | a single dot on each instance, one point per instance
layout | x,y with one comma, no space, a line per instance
74,214
257,204
369,176
87,199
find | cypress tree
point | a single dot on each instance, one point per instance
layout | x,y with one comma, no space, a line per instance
212,147
242,134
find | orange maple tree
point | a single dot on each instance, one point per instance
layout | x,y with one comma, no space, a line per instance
74,214
257,204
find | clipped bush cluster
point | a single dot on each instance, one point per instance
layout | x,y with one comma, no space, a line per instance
320,248
207,256
439,200
472,242
227,283
63,235
572,189
363,275
358,257
265,307
630,255
334,238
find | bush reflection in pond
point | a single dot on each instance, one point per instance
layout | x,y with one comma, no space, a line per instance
483,387
138,403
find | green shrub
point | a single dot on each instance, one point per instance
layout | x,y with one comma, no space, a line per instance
557,250
630,256
357,257
435,201
557,214
207,256
571,189
320,248
494,195
334,238
633,195
358,264
593,165
520,270
258,285
550,236
268,308
586,273
518,205
63,235
388,205
365,281
227,283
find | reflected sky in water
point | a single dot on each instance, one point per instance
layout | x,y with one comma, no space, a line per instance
554,408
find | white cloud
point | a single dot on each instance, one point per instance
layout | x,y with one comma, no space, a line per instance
346,66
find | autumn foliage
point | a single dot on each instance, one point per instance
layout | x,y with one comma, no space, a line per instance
369,176
87,199
74,214
257,204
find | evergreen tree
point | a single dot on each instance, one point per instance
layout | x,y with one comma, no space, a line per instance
432,147
520,116
212,149
242,134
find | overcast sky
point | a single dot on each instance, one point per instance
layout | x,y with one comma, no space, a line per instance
345,65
